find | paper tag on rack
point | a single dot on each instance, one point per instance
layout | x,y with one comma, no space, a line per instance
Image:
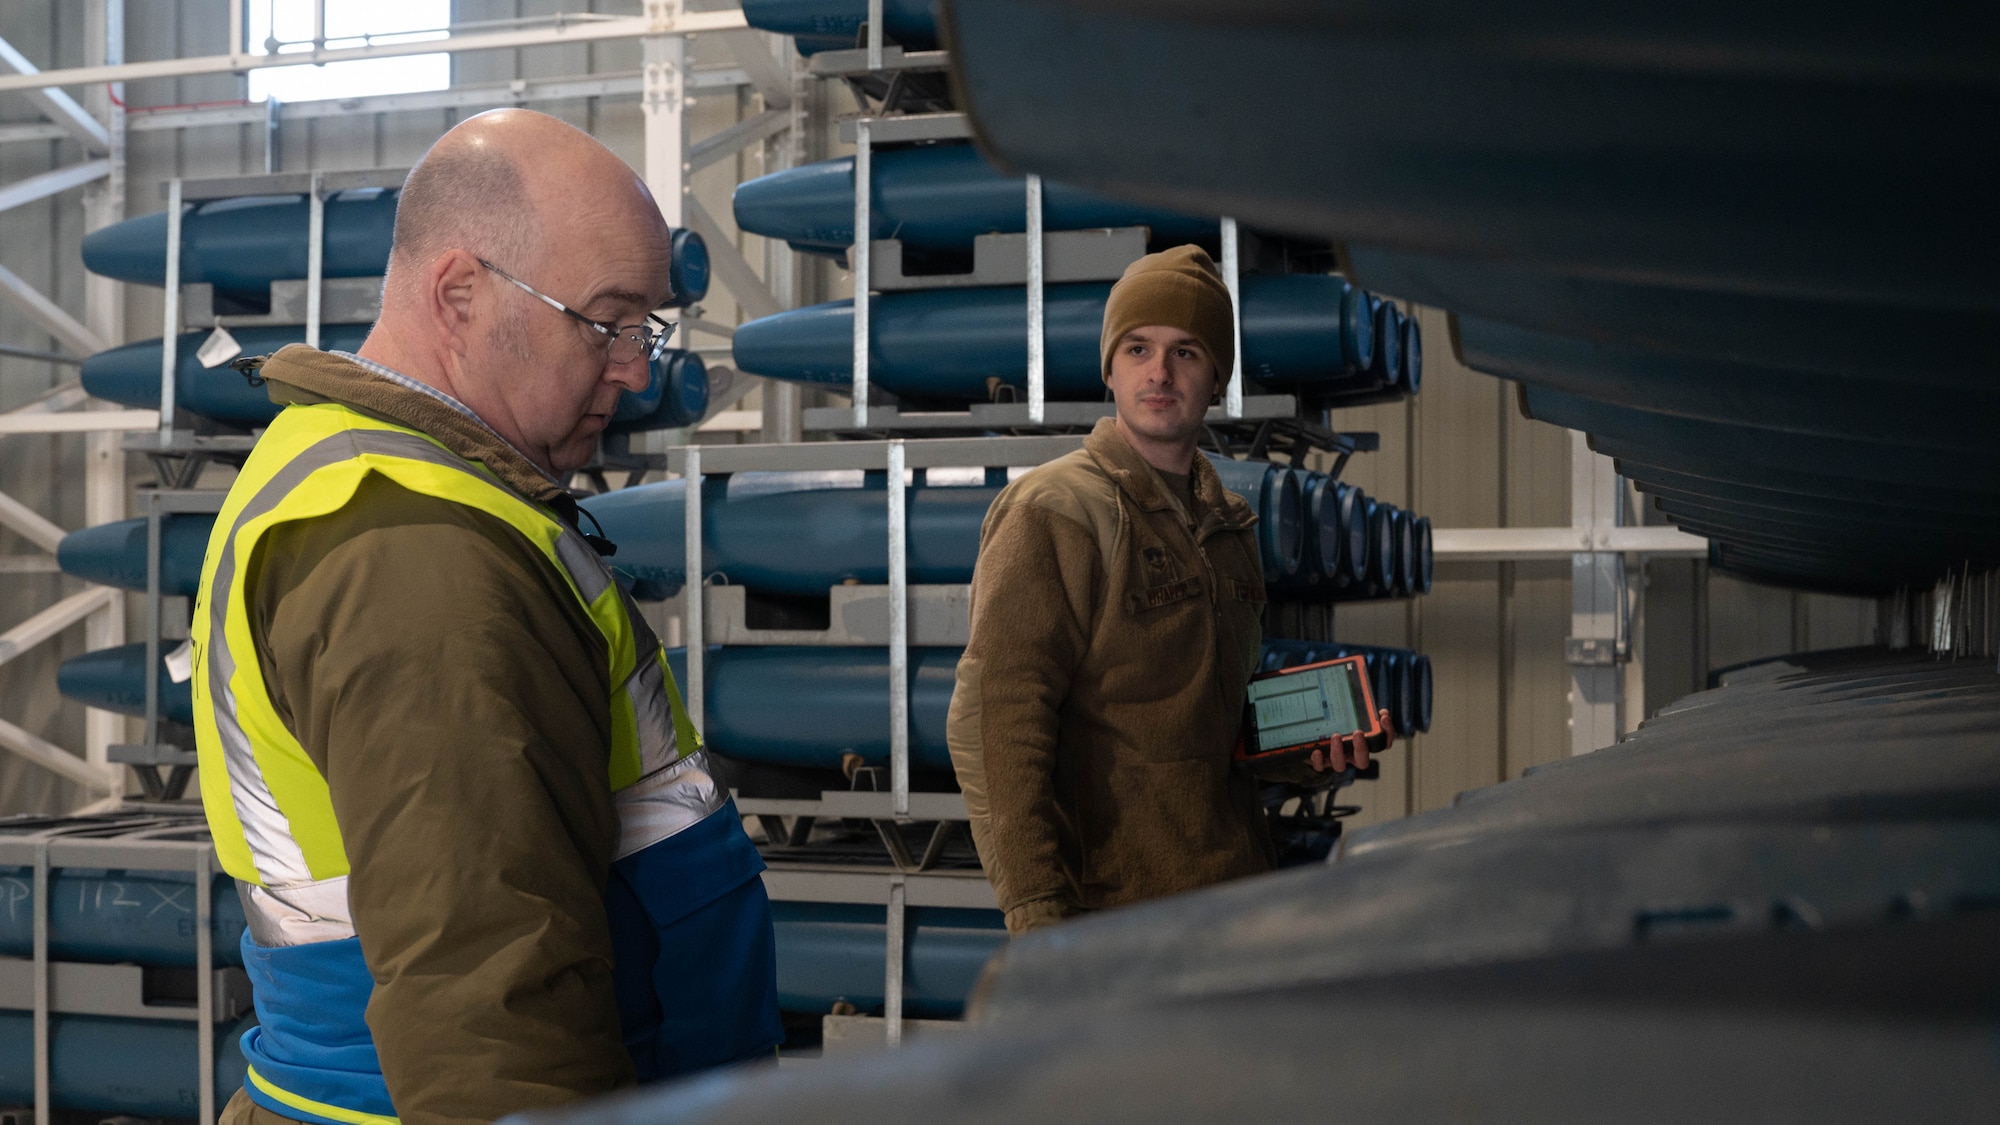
218,349
180,663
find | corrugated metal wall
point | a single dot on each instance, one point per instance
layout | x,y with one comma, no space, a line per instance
1460,453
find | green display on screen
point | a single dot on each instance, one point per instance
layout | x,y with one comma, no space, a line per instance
1307,706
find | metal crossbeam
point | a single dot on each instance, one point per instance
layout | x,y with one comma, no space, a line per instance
49,315
53,620
728,142
29,524
54,758
87,422
59,107
12,352
587,31
1520,544
471,96
49,183
729,264
771,79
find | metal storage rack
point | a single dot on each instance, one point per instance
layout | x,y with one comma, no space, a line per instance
894,441
140,841
1041,247
907,880
179,452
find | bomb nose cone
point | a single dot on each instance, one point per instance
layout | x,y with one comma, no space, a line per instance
1388,342
1410,374
134,250
114,679
677,396
803,205
114,554
1357,328
690,268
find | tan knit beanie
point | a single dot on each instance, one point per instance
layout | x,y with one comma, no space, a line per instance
1178,288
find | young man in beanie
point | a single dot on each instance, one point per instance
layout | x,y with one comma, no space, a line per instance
1116,620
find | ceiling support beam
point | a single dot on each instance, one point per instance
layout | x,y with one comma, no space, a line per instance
569,32
58,106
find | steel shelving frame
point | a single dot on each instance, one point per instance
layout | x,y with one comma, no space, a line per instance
907,883
142,841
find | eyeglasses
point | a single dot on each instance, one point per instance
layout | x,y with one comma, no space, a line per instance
627,343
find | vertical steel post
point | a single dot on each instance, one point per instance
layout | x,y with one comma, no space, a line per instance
315,256
105,492
664,103
781,399
1037,337
693,593
204,986
153,598
864,186
896,941
1232,270
874,34
169,359
1596,601
44,1095
899,635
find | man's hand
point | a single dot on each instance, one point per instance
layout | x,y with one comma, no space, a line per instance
1354,749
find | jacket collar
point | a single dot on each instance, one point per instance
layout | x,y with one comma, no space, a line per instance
1218,508
302,375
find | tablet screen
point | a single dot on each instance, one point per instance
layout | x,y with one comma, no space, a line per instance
1307,706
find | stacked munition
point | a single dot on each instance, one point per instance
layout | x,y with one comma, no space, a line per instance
799,533
1310,334
108,931
676,395
827,954
240,247
825,25
802,707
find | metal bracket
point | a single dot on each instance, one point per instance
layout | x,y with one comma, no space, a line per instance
1592,652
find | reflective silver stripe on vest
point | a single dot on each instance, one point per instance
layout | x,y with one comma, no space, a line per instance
281,864
301,914
653,715
666,803
279,860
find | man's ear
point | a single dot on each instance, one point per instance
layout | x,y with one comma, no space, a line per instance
450,285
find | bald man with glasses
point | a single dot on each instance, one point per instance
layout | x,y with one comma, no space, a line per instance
484,863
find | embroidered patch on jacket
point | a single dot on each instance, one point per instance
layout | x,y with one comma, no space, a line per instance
1156,557
1153,597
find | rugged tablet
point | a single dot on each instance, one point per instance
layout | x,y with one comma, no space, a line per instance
1292,712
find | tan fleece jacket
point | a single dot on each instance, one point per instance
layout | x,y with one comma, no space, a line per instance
1113,635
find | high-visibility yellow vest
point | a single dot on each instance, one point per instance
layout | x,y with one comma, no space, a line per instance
270,810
